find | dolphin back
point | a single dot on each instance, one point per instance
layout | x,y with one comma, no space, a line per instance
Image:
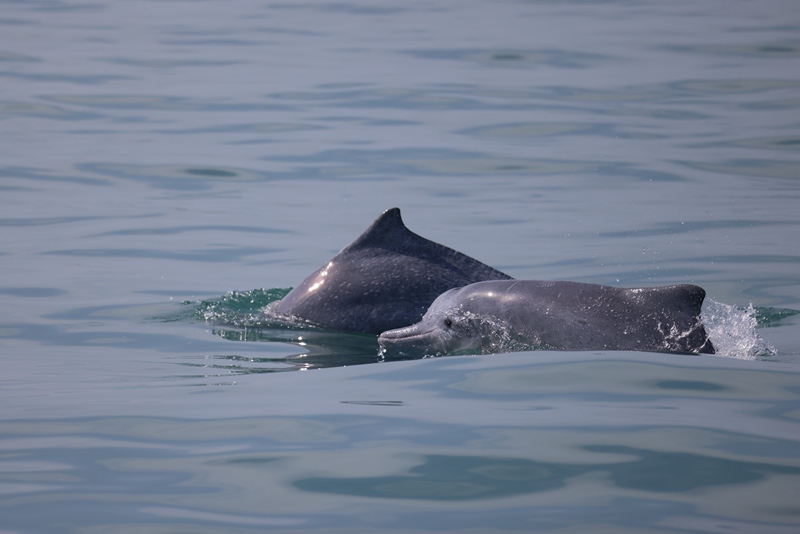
678,306
385,279
387,236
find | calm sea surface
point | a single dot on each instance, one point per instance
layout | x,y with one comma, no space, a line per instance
168,168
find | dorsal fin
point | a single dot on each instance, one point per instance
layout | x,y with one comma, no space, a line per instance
384,279
387,228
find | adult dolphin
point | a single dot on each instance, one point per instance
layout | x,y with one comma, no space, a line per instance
508,315
384,279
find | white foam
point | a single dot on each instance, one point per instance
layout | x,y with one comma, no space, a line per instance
733,331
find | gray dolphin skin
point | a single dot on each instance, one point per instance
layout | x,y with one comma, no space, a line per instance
508,315
384,279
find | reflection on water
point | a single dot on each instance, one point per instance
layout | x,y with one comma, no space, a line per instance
318,350
539,448
452,478
242,316
481,477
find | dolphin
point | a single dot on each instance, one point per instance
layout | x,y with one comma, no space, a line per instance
509,315
383,280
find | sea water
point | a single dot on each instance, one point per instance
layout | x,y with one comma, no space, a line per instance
168,169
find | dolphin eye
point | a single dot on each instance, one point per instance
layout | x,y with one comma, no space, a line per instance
448,322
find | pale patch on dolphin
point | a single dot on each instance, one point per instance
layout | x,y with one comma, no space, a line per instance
511,315
384,279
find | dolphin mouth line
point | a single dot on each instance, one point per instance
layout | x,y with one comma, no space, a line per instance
394,337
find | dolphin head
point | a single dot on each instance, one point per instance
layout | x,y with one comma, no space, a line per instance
470,319
445,328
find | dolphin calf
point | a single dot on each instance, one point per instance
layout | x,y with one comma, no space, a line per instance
384,279
509,315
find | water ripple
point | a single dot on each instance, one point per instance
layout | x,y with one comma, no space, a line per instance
515,58
36,109
527,130
164,103
221,254
197,228
764,168
682,227
774,50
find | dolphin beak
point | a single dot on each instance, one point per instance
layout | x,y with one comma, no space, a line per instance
414,337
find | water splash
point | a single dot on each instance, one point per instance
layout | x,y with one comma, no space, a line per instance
732,329
250,316
498,336
242,309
